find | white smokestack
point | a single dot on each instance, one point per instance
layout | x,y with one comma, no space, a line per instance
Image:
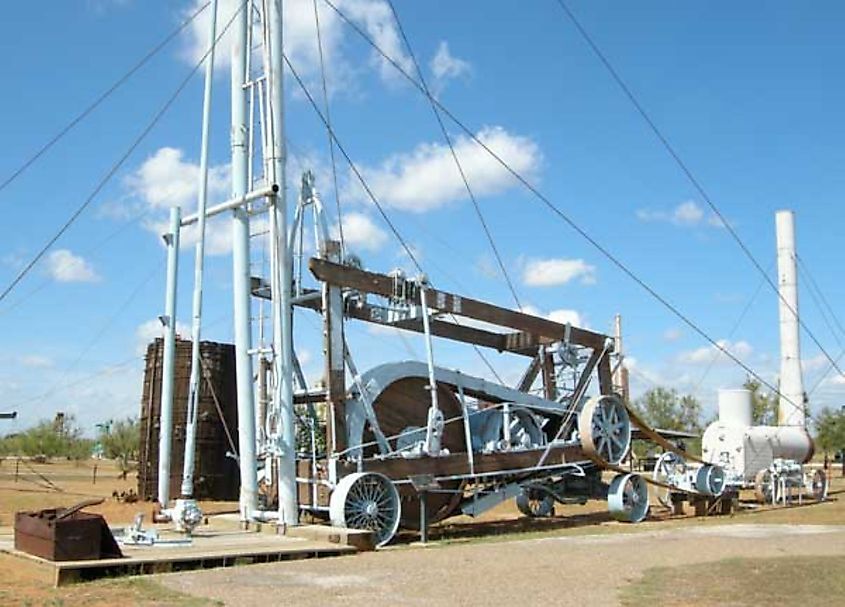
791,405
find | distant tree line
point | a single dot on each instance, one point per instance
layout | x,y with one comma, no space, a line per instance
63,438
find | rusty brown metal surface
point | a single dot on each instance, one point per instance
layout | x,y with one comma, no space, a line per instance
65,534
216,474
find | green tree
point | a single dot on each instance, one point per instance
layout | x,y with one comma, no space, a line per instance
121,442
764,405
830,430
49,439
666,409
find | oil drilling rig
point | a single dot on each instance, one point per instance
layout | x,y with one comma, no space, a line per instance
403,443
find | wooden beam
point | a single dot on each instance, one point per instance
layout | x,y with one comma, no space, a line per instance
531,328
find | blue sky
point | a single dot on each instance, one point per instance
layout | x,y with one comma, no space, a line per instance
750,96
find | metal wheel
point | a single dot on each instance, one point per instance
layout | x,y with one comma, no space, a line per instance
818,485
605,428
764,487
668,467
523,430
366,500
627,498
535,502
710,480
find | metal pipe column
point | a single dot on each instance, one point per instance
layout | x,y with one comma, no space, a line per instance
196,328
165,436
791,404
283,335
240,270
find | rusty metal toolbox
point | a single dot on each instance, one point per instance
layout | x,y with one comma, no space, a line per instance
65,534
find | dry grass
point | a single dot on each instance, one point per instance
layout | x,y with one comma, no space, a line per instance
23,584
803,580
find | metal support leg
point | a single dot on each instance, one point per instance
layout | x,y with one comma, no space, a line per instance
423,517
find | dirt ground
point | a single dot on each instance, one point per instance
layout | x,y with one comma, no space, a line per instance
578,570
26,485
579,555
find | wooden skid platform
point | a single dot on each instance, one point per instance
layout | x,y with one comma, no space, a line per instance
208,550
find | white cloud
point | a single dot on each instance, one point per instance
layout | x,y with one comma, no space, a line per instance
672,334
147,331
564,316
837,380
165,179
552,272
561,315
427,177
445,66
35,361
740,349
64,266
360,232
300,35
815,363
686,214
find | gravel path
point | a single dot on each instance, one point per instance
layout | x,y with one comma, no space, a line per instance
586,569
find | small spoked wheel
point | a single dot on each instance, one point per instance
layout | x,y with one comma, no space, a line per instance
627,498
818,485
668,468
765,489
369,501
535,502
605,428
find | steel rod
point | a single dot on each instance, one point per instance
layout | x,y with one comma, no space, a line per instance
235,202
165,438
196,330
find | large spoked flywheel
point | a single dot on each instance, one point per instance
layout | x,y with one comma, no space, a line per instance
402,411
605,428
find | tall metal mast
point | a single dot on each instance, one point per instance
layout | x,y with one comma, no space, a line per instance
241,268
284,435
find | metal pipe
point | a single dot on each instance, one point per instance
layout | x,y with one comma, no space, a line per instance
240,270
791,403
165,437
283,334
237,201
196,328
435,417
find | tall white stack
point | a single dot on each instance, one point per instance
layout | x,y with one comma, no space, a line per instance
791,403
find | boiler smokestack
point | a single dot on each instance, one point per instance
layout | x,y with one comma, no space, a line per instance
791,404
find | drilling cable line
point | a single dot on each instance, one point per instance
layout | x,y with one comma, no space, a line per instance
458,165
563,216
117,165
731,333
103,96
101,332
331,141
689,174
820,300
374,200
